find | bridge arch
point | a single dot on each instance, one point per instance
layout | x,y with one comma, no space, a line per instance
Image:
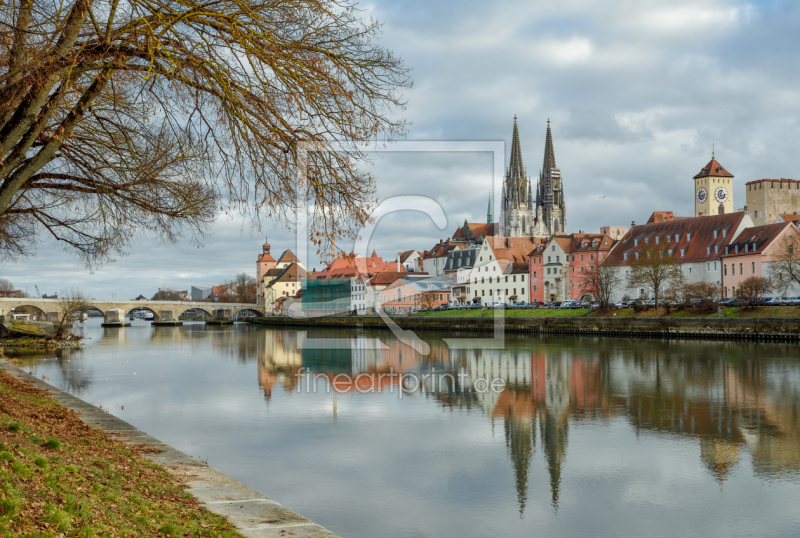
40,314
259,313
141,307
186,308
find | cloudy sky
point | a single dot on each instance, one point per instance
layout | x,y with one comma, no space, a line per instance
637,92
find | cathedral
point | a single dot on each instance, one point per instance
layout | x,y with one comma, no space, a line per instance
522,214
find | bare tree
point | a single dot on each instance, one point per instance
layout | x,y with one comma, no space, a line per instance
653,269
427,299
6,285
785,262
601,282
71,305
245,286
120,117
751,288
704,291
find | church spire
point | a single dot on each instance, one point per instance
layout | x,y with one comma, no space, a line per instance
489,212
549,154
515,167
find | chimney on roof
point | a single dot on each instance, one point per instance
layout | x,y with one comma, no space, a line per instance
633,223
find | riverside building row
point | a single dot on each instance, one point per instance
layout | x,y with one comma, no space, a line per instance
529,257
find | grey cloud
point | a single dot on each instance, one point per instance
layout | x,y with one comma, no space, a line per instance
637,92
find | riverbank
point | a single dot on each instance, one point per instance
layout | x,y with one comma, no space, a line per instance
728,328
772,312
68,468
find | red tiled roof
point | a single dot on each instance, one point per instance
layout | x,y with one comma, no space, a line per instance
404,255
440,249
790,218
762,236
287,257
265,257
350,267
478,229
641,238
713,169
292,273
384,279
513,249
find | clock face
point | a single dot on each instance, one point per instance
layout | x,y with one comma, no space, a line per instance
721,194
702,195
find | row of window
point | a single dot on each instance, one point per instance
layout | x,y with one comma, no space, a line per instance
521,292
514,277
741,269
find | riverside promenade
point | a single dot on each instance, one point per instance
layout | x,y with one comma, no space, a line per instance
252,514
766,329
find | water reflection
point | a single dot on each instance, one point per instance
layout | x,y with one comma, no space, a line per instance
528,448
724,396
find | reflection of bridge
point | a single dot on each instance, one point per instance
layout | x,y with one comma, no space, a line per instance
167,310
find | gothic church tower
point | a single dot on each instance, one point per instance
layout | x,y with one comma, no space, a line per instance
551,209
516,210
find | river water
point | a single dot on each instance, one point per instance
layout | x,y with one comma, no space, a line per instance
582,436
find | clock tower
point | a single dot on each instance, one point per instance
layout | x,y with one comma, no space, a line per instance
713,190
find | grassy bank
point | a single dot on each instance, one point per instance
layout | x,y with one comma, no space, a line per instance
774,312
59,477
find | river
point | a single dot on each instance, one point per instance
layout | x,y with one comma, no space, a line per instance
580,436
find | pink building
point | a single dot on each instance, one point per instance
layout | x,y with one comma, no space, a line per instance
558,268
752,254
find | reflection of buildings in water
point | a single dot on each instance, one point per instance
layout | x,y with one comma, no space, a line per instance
724,404
279,360
720,456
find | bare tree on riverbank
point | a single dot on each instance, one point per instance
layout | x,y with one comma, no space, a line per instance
71,305
653,269
123,117
601,282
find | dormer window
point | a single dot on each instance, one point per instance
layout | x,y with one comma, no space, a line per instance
637,255
683,251
708,250
636,242
754,246
715,234
625,256
736,249
689,236
716,249
725,232
746,248
658,240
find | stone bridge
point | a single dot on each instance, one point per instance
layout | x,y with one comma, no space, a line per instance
162,310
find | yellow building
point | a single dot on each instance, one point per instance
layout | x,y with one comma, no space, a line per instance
713,190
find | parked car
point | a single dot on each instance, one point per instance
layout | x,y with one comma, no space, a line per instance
568,304
475,305
729,302
495,304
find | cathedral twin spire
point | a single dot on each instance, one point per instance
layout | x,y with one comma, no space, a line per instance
518,218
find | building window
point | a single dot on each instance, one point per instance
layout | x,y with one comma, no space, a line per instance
506,279
514,277
724,269
741,272
522,277
753,268
581,269
591,256
534,274
581,257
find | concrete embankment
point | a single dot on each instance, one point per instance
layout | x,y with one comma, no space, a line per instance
707,328
253,514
